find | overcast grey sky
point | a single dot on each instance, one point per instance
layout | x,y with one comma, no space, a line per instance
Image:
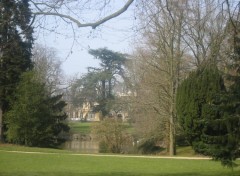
116,35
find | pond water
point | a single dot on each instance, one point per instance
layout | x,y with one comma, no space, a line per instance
82,143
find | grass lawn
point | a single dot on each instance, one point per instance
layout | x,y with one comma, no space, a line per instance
12,147
67,164
80,127
85,127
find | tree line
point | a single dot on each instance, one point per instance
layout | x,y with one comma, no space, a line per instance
185,72
31,106
183,76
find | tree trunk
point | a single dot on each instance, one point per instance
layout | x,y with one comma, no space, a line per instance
103,89
110,88
1,125
172,146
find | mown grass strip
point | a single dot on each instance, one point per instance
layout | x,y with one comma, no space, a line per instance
80,127
63,164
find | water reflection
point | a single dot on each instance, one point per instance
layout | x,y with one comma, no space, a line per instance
82,143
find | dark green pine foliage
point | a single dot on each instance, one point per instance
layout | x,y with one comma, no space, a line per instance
200,112
229,105
15,49
36,119
84,89
111,65
221,132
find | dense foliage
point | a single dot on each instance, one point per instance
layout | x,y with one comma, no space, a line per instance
229,148
16,43
36,119
15,47
207,114
111,64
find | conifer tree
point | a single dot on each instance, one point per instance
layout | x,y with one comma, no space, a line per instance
221,132
209,108
200,112
111,64
227,142
15,49
221,127
36,119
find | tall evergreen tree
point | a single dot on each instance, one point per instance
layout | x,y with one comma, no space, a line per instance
111,64
202,115
227,144
36,119
15,49
221,133
210,115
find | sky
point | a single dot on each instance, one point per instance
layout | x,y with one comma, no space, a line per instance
116,34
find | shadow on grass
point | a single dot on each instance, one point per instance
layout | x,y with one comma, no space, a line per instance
112,174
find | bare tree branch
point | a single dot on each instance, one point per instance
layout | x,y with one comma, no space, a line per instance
77,21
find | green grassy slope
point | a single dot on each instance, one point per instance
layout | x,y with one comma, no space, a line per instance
80,127
67,164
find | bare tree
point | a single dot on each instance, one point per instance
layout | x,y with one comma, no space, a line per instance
204,30
160,59
48,67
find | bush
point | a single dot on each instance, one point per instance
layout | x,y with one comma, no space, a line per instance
103,147
149,147
112,135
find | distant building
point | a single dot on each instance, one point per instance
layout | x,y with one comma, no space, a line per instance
82,113
85,112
